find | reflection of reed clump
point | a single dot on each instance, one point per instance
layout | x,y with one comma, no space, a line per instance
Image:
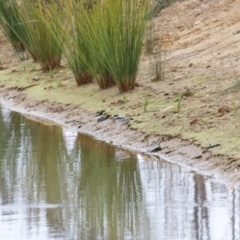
109,190
37,155
95,192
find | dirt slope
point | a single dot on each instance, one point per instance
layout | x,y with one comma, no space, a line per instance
203,34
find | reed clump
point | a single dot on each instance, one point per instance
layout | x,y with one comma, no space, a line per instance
119,31
106,41
100,67
41,30
9,17
36,30
101,39
77,48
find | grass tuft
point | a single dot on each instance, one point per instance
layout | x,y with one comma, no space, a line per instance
117,34
9,16
179,104
145,104
37,30
77,48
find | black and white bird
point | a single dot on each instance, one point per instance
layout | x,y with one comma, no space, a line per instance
103,118
121,120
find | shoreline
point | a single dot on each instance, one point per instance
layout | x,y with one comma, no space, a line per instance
173,150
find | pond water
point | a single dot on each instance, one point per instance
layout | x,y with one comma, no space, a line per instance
57,184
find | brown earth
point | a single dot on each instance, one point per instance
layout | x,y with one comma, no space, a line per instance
202,66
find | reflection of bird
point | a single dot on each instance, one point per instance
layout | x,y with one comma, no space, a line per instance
121,120
121,155
103,118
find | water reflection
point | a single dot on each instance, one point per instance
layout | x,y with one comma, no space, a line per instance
55,184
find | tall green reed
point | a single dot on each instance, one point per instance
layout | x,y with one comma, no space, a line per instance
81,50
9,17
41,34
37,29
115,30
119,32
103,38
77,47
97,27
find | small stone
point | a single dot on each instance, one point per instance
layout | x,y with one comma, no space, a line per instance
120,101
224,109
36,78
194,121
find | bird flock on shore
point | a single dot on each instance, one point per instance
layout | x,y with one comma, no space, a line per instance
116,118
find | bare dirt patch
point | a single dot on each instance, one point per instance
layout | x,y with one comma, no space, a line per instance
202,41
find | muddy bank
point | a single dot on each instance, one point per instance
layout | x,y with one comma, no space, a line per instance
175,150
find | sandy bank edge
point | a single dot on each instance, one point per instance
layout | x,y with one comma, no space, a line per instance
175,150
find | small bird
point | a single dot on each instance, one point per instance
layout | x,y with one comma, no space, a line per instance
155,148
121,155
121,120
103,118
213,146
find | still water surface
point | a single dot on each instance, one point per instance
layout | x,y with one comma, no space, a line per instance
56,184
